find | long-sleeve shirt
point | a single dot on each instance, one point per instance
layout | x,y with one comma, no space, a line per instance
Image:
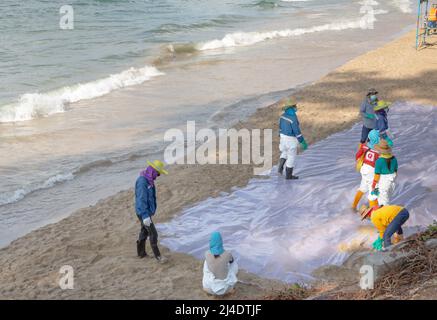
367,108
383,216
145,198
289,125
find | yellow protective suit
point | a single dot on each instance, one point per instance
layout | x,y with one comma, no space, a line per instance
382,217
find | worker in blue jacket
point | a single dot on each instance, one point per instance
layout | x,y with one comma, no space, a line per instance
290,138
145,207
381,110
368,113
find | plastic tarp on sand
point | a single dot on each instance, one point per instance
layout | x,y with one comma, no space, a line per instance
285,229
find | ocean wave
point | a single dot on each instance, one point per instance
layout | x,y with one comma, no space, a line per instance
34,105
238,39
19,194
403,5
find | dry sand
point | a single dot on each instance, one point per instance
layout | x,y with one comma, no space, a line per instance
99,241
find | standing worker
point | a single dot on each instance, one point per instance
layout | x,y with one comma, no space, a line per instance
367,157
368,114
290,138
388,220
386,169
145,207
381,110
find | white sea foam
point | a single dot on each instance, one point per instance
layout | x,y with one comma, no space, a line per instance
238,39
34,105
403,5
19,194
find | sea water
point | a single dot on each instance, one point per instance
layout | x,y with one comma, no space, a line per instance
82,109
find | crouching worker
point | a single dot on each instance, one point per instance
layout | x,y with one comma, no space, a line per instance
388,220
219,269
145,207
290,138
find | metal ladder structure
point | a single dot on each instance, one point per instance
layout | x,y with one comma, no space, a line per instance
424,29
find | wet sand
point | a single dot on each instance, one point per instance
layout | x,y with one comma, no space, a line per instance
99,241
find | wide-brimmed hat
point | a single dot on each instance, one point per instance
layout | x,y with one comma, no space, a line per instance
158,166
383,147
372,91
288,102
364,211
381,105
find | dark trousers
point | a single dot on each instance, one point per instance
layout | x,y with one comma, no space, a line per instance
395,226
151,233
364,134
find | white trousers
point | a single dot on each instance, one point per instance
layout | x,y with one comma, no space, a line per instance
217,286
288,147
386,186
367,174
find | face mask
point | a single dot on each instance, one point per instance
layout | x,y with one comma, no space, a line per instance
373,98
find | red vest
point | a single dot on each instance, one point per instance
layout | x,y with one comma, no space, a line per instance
370,157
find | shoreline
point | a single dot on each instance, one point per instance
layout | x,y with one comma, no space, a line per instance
99,241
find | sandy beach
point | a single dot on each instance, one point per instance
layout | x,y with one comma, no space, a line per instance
99,241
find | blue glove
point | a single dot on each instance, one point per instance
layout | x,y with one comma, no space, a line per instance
304,145
375,192
369,116
377,244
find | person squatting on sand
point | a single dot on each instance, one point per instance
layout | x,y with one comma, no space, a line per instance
368,114
290,137
386,168
388,220
145,207
381,110
219,269
366,158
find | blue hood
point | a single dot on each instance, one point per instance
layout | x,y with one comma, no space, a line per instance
216,244
373,138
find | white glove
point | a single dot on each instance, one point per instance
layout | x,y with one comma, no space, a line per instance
147,221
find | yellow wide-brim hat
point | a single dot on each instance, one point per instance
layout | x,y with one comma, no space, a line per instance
382,105
288,103
158,166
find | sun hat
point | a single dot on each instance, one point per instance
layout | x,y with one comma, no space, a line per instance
158,166
364,211
383,147
372,91
382,105
288,102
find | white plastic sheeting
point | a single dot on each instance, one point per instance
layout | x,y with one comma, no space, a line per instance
285,229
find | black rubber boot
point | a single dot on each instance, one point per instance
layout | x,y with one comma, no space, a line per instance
281,165
289,174
141,248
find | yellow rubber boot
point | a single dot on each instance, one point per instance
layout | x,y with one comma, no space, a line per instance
357,199
373,203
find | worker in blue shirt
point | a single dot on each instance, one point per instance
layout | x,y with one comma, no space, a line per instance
145,207
290,137
368,113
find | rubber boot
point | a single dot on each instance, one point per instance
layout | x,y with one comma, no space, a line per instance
289,174
357,199
281,165
141,248
373,203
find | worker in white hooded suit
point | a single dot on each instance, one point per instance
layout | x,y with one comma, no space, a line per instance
219,269
290,138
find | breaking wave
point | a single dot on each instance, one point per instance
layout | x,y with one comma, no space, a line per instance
34,105
238,39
